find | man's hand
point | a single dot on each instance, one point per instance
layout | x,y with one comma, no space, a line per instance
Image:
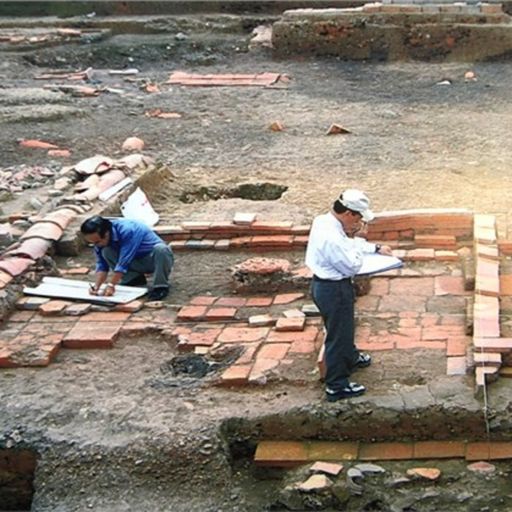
110,289
386,250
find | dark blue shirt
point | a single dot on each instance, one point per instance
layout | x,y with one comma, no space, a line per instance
132,240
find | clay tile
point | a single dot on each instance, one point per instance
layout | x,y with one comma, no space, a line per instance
33,248
5,279
44,230
15,266
61,218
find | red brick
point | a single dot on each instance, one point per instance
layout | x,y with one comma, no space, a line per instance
248,354
277,227
490,252
397,303
196,225
77,309
6,361
287,298
436,241
308,334
505,247
236,375
236,302
408,322
21,316
438,449
441,255
271,241
478,451
214,314
222,245
500,450
103,335
201,338
379,286
386,451
54,307
261,320
290,324
242,334
506,284
320,362
191,313
484,235
419,255
302,347
281,453
104,316
502,345
130,307
449,285
376,345
412,286
367,303
441,332
259,301
457,346
413,344
178,245
332,450
134,328
456,365
273,351
260,368
487,358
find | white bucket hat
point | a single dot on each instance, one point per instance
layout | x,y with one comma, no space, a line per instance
357,201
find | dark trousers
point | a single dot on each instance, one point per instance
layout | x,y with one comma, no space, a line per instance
335,300
158,262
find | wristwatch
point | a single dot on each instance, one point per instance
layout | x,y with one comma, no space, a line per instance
377,248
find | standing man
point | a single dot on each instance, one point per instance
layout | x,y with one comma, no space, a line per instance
335,255
130,249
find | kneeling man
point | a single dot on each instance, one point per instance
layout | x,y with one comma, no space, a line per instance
130,249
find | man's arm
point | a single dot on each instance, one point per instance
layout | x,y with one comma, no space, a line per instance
101,277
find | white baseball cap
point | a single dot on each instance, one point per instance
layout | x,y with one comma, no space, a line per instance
357,201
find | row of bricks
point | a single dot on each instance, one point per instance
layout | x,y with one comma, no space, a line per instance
199,309
427,9
38,346
293,453
486,308
282,242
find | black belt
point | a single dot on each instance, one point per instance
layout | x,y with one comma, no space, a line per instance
319,279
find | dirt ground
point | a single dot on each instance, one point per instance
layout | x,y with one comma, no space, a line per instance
113,433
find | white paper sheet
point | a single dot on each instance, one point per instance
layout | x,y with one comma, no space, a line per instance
376,263
57,287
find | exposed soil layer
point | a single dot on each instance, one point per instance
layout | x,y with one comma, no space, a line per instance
113,429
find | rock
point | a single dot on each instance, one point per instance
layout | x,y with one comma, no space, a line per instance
315,483
427,473
310,310
369,468
133,144
261,320
482,467
353,473
326,467
293,313
276,126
